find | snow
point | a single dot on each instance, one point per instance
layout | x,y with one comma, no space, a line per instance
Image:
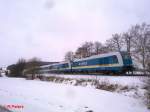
2,75
135,85
122,80
40,96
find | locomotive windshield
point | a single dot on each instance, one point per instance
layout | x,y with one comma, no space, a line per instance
126,59
113,59
125,55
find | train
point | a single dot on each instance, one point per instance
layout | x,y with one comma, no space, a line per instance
108,63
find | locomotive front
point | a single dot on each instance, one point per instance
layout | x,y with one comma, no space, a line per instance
127,61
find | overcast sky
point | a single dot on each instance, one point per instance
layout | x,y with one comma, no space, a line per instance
49,28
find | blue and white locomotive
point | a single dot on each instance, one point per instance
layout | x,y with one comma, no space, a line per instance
114,62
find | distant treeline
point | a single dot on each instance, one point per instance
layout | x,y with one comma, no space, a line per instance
18,69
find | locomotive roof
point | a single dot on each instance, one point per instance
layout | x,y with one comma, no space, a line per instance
98,56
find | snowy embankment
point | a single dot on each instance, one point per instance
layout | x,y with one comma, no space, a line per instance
124,80
40,96
126,85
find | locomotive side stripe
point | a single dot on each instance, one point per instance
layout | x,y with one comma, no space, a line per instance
96,66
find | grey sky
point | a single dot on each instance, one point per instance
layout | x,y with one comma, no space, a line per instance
49,28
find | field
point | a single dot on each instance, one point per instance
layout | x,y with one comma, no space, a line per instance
42,96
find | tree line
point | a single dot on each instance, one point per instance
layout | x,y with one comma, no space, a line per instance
19,69
136,41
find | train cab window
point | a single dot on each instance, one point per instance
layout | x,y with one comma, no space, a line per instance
125,55
113,59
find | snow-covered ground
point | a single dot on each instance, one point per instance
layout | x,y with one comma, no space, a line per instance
123,80
40,96
128,85
3,75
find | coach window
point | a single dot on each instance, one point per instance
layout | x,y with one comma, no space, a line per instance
106,61
110,60
102,61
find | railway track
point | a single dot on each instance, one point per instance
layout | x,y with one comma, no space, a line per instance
137,75
122,75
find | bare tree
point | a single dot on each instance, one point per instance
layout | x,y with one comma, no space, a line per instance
16,70
32,65
115,43
85,50
69,56
141,43
127,38
98,48
88,46
80,53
